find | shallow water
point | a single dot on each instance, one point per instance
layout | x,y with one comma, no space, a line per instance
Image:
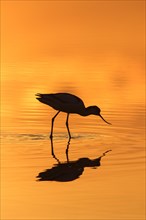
113,189
103,174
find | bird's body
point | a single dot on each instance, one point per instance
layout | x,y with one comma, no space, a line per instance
68,103
63,102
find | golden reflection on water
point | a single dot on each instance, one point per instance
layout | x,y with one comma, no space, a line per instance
116,188
109,88
103,71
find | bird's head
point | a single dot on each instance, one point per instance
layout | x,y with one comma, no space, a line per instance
94,110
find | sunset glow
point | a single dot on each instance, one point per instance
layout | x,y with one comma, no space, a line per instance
95,50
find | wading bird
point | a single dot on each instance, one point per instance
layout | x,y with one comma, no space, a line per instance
68,103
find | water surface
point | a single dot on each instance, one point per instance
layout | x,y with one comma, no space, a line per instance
112,190
104,178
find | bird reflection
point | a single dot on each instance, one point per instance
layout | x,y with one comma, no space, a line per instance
53,154
70,170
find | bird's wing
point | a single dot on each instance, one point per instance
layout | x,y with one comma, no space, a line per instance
67,98
64,102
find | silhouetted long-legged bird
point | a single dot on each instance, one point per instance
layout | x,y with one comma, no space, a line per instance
68,103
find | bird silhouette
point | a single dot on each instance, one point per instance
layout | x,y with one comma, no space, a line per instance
68,103
70,170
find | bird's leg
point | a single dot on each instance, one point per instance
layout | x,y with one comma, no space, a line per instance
51,134
68,126
67,148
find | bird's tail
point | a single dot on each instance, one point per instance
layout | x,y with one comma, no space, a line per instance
38,94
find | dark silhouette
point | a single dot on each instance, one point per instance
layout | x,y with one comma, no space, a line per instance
67,149
70,170
68,103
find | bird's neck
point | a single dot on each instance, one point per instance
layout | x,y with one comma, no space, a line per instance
86,112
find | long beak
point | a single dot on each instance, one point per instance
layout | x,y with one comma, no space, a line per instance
104,120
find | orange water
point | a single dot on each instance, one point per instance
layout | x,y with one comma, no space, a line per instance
111,78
